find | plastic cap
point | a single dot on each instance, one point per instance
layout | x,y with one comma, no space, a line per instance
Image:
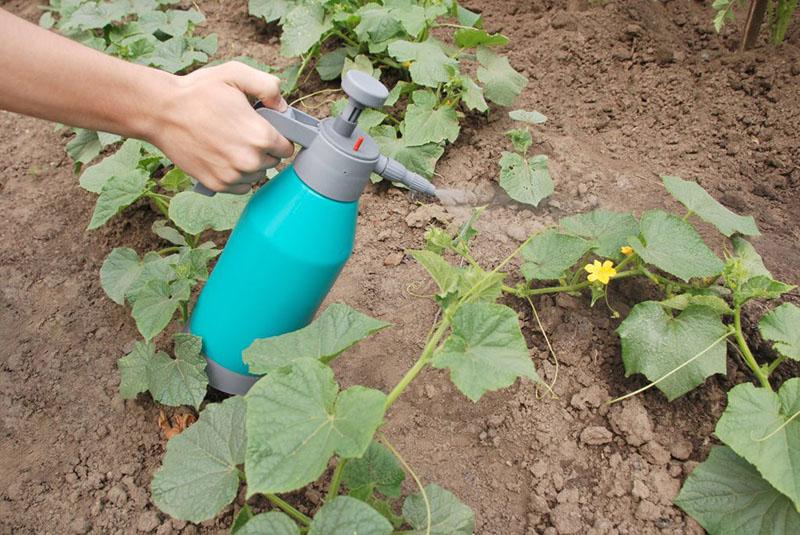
364,90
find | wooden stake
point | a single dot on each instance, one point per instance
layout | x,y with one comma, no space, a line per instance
755,16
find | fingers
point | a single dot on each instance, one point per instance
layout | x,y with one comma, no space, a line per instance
272,142
259,84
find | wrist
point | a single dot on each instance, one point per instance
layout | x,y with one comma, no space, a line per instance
156,101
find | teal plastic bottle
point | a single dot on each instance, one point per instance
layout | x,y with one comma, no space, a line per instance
278,265
294,236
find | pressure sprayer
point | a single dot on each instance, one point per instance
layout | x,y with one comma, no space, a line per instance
295,234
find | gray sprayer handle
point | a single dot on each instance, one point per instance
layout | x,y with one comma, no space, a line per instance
293,124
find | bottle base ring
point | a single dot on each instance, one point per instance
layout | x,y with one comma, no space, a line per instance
227,381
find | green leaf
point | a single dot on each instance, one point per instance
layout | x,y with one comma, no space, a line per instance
760,287
782,326
727,495
549,254
698,200
411,16
360,63
421,159
400,88
502,83
119,270
763,427
472,37
430,66
449,516
370,118
376,24
156,303
655,343
270,10
473,95
118,193
122,162
486,350
192,264
683,301
154,268
468,18
182,380
289,77
525,180
377,470
446,275
175,180
330,64
194,213
199,475
242,517
348,516
750,260
297,419
521,139
671,244
481,285
530,117
606,230
272,523
173,55
133,369
161,229
426,124
337,329
303,27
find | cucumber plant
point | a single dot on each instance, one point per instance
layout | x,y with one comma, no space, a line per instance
442,59
295,420
751,484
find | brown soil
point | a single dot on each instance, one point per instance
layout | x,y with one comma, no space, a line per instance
633,89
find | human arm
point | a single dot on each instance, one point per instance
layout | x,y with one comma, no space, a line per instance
202,121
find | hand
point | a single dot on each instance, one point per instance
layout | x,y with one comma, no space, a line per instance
207,127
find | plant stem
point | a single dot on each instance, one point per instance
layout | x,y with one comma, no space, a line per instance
749,359
658,279
448,25
346,39
424,358
288,509
336,481
775,363
565,287
169,250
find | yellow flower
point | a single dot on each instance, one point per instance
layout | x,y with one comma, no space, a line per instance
627,250
600,272
407,64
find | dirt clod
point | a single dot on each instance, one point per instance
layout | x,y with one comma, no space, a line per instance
596,435
147,522
567,518
425,214
633,422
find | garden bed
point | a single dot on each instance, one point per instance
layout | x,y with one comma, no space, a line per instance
632,90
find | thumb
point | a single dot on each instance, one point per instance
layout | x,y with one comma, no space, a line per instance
262,85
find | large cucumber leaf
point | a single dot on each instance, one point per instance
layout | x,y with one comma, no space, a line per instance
297,419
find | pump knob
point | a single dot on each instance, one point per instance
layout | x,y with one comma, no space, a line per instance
364,90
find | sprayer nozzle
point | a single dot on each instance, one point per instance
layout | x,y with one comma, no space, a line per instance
394,171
